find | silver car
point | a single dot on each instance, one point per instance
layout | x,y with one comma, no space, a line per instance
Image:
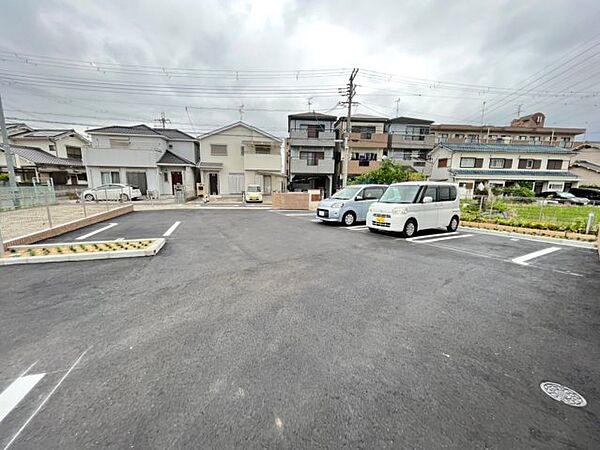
123,192
349,205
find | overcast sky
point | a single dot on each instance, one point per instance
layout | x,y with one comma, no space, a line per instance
446,58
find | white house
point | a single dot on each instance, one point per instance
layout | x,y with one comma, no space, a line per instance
236,155
153,159
546,168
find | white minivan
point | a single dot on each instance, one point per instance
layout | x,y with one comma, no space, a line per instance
408,207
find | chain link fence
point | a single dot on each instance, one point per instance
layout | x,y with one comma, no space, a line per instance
26,210
532,212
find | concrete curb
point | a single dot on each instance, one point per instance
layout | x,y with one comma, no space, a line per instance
152,250
531,237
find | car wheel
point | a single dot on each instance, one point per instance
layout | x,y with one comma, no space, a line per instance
410,228
88,197
124,198
453,226
348,219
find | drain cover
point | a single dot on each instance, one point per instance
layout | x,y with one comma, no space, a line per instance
563,394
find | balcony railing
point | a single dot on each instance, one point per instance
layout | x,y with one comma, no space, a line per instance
508,141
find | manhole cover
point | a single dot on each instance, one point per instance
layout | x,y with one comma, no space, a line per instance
563,394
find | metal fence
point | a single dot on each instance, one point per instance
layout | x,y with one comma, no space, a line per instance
532,212
26,210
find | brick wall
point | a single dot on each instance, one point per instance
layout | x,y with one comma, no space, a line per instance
290,200
69,226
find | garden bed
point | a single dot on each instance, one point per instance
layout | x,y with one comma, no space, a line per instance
79,251
531,231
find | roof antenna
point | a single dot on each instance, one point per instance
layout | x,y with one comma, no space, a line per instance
241,111
309,101
163,120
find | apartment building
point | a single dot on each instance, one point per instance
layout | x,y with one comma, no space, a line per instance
526,130
368,142
154,159
311,152
236,155
544,167
409,141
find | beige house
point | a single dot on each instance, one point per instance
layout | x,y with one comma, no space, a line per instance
236,155
586,163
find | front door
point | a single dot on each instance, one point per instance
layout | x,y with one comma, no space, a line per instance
267,188
176,178
213,183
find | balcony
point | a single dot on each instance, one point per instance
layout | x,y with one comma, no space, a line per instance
412,141
368,140
323,166
106,157
358,167
512,140
258,161
300,138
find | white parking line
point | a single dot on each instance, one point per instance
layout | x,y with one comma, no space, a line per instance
416,238
120,239
522,260
14,438
100,230
173,227
316,221
445,238
357,228
16,392
299,214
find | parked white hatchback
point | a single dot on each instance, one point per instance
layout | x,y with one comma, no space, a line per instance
408,207
123,192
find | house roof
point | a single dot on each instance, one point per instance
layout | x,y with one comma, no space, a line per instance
171,159
403,119
515,173
312,115
40,157
173,133
236,124
587,165
505,148
363,118
127,130
493,128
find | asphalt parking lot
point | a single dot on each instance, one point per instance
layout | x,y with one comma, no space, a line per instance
256,328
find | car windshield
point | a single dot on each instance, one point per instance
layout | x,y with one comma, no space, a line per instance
566,194
253,188
400,194
346,193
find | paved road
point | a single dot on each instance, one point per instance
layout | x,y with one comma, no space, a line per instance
260,329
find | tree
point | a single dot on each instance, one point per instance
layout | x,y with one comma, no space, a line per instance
388,173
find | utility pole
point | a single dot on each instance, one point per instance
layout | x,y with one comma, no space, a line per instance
397,106
519,110
482,112
241,111
309,101
12,180
350,92
163,120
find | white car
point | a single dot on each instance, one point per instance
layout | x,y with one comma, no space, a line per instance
113,191
408,207
253,194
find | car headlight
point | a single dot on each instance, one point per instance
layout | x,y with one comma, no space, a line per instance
399,211
337,205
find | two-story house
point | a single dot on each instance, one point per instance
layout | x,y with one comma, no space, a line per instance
526,130
48,155
311,155
368,142
586,163
543,167
153,159
409,141
236,155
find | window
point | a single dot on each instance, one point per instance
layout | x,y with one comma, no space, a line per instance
242,150
312,131
467,162
536,140
81,177
565,142
497,163
218,150
74,152
52,148
431,191
554,164
407,155
372,193
312,158
262,149
110,177
446,193
522,138
166,177
459,135
473,138
444,137
555,187
529,164
118,142
443,162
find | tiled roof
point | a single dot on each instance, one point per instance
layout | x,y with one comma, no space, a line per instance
312,115
42,134
494,128
118,129
240,124
506,148
515,173
410,120
210,165
173,133
171,159
39,156
588,165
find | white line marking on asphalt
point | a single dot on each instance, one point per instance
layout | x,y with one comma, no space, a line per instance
522,260
173,227
416,238
316,220
14,438
16,392
458,236
100,230
357,228
299,214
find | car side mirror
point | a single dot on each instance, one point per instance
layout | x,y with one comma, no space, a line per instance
427,199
